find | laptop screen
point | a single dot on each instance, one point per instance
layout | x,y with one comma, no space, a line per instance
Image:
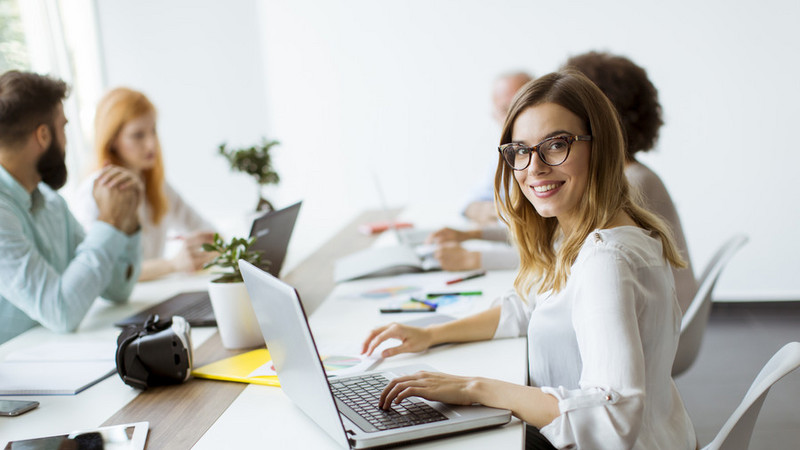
272,232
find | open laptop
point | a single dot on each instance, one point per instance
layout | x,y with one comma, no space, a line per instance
272,231
346,407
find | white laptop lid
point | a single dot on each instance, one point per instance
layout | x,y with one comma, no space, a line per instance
282,320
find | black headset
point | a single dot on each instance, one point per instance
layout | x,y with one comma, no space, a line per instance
155,353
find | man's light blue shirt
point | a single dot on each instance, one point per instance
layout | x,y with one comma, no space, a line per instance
50,269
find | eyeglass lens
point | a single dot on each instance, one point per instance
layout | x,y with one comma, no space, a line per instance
552,151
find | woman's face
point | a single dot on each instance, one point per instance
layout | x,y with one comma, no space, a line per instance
554,191
137,143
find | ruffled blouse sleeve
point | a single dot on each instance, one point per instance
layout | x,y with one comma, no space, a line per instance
606,410
514,315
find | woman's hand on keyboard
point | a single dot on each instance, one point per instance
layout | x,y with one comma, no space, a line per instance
434,386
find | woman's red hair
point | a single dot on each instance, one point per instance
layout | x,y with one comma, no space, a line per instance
118,107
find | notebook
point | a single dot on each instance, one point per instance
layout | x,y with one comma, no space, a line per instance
345,407
58,368
272,231
384,261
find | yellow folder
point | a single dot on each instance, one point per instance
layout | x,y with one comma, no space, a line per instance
237,368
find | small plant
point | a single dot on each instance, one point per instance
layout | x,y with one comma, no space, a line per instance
255,161
229,255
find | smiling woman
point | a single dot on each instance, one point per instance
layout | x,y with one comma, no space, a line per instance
594,294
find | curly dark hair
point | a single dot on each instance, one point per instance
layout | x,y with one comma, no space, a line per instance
631,92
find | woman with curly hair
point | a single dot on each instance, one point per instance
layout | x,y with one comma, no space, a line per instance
636,101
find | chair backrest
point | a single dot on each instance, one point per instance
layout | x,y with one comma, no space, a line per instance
737,431
693,324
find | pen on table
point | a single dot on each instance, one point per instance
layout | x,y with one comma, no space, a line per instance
404,310
467,277
425,302
442,294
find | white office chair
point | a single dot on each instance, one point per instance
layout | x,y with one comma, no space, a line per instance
693,324
736,433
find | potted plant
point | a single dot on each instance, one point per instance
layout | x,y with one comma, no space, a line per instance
257,162
236,321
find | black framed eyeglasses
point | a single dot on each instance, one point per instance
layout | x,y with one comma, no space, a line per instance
552,151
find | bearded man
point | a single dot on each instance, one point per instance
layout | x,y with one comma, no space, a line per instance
51,271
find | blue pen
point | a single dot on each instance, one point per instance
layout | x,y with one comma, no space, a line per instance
424,302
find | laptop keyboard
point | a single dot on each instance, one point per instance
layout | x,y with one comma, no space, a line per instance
196,311
357,399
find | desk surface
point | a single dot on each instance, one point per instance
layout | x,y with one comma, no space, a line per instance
212,414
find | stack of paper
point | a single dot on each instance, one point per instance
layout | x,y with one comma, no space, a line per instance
62,368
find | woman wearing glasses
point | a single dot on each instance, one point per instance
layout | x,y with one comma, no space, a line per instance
594,293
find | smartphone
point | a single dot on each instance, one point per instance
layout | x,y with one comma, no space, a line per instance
16,407
130,436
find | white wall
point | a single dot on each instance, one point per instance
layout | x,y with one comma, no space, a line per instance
201,65
401,89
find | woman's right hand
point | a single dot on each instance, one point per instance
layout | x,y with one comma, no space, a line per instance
447,235
191,256
413,339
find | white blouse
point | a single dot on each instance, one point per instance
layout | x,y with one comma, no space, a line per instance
179,219
604,346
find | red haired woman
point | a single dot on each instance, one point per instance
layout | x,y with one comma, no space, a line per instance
125,135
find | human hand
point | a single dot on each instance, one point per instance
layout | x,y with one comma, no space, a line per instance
435,386
447,235
414,339
118,192
191,256
481,212
453,257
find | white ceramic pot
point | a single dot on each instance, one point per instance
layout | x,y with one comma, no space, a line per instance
236,320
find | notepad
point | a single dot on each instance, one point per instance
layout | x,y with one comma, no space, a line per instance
239,368
62,368
255,367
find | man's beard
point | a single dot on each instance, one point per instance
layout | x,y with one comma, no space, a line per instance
52,166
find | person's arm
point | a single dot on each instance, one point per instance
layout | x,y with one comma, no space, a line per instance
477,327
507,316
454,257
196,231
448,234
127,267
528,403
190,258
56,300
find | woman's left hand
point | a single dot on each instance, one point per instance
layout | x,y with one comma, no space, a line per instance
434,386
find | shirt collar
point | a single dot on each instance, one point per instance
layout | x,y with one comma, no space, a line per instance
15,190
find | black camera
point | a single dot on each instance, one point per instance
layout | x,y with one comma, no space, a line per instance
155,353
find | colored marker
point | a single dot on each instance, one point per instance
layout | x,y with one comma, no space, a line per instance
405,310
467,277
442,294
424,302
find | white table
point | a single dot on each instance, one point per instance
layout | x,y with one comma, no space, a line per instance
265,415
